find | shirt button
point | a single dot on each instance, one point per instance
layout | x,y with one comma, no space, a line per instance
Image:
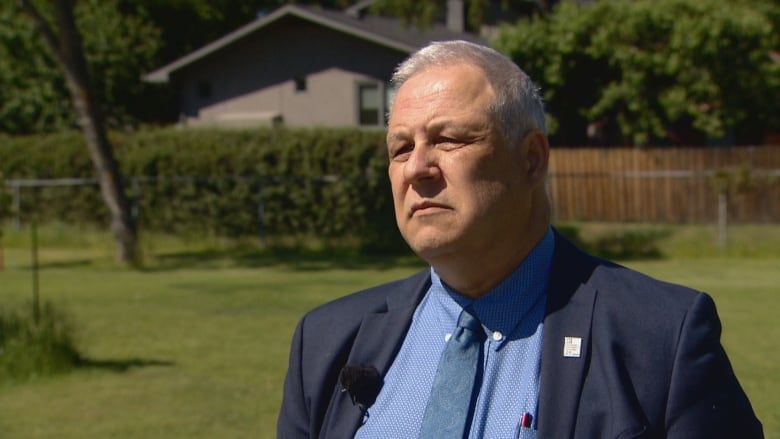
447,337
498,336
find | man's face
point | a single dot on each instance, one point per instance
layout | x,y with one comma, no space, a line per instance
457,187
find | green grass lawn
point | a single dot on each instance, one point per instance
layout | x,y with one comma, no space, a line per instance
183,352
195,345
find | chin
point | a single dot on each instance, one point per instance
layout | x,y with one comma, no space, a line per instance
431,250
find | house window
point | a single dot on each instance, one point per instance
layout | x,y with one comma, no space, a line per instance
204,90
300,84
369,105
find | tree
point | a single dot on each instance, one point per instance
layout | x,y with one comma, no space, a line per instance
119,45
31,88
4,203
186,25
635,72
422,13
64,41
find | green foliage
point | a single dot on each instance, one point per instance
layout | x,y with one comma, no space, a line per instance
419,13
5,206
629,244
119,45
644,70
622,244
31,346
185,25
423,13
32,91
331,184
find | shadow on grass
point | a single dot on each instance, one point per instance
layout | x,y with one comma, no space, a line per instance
72,263
69,263
291,259
119,365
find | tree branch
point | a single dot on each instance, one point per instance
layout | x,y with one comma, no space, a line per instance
43,26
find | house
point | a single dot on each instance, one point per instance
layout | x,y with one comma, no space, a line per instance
300,66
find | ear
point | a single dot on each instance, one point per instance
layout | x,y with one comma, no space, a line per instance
536,156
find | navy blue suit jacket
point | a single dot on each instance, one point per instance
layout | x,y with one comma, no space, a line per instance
651,363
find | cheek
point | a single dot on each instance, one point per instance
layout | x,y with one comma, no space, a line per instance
489,188
485,195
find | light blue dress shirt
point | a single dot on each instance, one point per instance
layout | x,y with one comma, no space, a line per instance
511,314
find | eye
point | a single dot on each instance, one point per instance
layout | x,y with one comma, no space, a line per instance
446,143
402,152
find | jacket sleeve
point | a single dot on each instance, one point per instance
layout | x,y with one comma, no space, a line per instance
293,422
705,398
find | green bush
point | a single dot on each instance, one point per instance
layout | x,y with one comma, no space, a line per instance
31,346
325,183
4,209
618,243
629,244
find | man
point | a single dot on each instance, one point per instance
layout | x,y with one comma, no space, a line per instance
564,344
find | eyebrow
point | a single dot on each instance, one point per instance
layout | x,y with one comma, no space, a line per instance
402,134
396,137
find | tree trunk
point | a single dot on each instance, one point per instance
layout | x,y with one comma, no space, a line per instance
67,50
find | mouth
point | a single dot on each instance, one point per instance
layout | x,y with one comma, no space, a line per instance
427,207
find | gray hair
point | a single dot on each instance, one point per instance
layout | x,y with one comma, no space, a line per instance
517,107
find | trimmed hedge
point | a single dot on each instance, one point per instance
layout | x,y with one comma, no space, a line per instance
325,183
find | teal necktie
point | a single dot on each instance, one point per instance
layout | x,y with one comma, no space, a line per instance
449,410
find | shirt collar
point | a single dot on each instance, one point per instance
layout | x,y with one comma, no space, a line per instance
504,306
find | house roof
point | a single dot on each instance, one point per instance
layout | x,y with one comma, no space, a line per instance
384,31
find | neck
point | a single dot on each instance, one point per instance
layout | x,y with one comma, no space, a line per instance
473,275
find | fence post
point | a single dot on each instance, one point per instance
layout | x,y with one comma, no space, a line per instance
35,268
723,214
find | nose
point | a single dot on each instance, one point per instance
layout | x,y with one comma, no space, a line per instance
422,165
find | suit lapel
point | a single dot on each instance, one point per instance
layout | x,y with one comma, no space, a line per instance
569,314
376,344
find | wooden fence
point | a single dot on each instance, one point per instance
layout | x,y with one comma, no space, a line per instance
668,185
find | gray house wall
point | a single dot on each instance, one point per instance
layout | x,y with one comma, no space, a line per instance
251,82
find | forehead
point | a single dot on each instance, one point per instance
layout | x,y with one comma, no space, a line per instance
459,86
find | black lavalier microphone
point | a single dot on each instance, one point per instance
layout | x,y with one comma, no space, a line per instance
363,384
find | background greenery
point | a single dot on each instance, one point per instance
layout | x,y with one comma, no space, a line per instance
326,183
195,345
642,72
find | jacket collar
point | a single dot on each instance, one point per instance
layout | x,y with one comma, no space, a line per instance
376,344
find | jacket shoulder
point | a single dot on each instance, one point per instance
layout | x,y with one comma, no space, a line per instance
624,289
628,286
352,307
